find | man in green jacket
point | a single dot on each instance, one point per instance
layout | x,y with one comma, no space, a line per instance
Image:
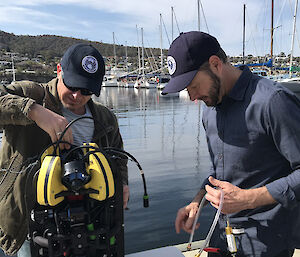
33,115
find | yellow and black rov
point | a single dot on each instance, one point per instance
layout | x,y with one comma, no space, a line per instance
79,207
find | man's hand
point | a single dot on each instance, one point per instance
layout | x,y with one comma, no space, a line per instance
52,123
125,195
235,198
185,218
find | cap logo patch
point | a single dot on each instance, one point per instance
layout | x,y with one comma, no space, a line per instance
90,64
171,65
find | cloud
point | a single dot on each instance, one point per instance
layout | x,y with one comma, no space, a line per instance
99,18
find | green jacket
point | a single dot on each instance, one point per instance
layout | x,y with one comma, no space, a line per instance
23,139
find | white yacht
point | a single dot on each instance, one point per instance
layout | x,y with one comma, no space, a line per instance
111,79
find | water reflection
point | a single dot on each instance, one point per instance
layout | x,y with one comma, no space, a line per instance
166,135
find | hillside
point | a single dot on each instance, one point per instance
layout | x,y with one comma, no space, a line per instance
51,46
35,57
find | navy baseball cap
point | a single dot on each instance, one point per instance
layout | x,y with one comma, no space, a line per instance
185,56
83,67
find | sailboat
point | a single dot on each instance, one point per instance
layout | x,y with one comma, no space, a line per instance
279,77
111,79
292,78
142,82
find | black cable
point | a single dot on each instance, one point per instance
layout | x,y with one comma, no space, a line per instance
117,150
120,151
71,123
82,147
65,130
52,144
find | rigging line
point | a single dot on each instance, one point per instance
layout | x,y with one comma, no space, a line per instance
155,64
280,13
296,34
138,49
165,29
118,44
266,7
117,40
204,16
277,24
160,69
148,59
291,9
254,28
176,22
279,18
251,33
297,38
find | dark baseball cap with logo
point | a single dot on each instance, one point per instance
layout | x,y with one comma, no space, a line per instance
83,67
185,56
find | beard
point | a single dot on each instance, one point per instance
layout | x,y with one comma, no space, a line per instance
214,91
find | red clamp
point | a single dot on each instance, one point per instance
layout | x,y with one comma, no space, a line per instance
212,250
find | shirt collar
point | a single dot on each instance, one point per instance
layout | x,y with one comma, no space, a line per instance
238,91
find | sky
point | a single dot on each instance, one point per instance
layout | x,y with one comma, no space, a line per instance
96,20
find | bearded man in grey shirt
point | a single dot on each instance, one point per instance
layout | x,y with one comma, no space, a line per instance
252,126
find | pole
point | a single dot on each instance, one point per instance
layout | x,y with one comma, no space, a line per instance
272,29
126,57
143,71
198,8
115,55
138,48
172,15
161,51
293,37
244,33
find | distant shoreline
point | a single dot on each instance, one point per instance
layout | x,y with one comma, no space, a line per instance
40,78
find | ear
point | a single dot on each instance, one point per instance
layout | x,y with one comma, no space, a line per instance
58,69
215,64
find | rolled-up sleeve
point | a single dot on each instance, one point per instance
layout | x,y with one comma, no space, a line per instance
282,119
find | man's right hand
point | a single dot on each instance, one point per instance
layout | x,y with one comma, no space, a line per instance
52,123
185,218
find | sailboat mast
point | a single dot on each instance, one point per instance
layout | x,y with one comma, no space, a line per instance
293,38
198,8
115,55
272,29
126,57
172,22
143,71
244,31
138,48
161,51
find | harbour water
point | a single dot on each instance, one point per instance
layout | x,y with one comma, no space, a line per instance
165,134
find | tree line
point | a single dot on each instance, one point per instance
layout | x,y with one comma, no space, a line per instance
51,46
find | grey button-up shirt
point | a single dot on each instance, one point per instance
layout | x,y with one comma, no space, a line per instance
254,141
